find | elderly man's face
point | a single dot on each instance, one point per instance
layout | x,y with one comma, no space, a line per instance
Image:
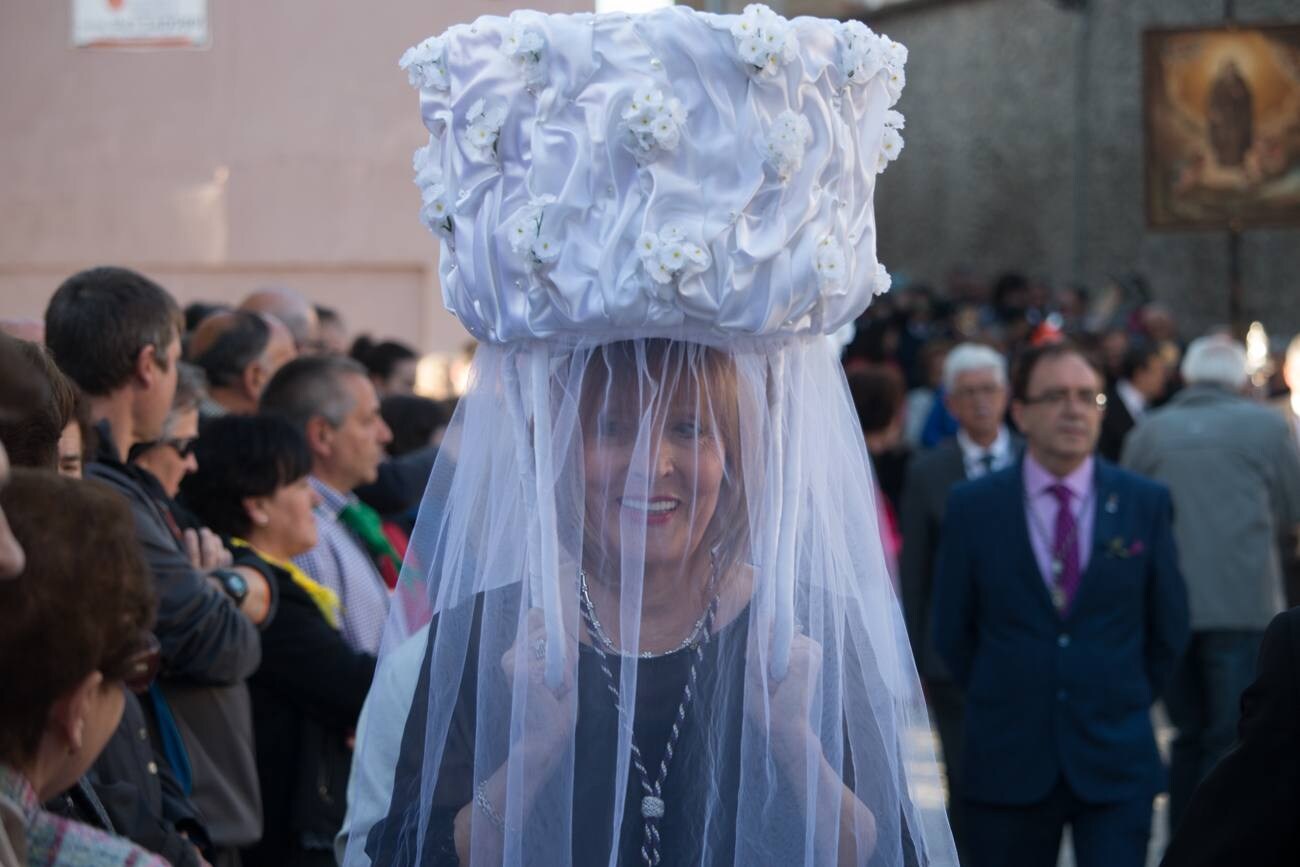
357,445
978,401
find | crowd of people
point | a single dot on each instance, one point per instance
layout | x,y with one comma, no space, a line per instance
190,633
991,396
218,542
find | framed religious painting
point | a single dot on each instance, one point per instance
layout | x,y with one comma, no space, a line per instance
1222,115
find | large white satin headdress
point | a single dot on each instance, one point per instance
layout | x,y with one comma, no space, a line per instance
675,173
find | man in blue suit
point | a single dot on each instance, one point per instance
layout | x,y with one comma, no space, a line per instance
1060,610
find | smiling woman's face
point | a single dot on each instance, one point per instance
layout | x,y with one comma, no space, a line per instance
654,460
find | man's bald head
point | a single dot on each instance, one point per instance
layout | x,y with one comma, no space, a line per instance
291,308
239,352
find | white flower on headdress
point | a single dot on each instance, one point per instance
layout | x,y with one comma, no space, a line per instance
861,53
529,236
895,61
424,164
787,141
829,263
882,281
653,121
669,254
483,128
525,47
426,65
435,209
765,40
891,143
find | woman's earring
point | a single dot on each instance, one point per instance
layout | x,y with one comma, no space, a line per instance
261,520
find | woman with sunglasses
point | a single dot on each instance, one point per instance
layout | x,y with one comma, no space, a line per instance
71,639
170,458
251,487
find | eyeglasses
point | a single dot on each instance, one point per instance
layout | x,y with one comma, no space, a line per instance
140,665
1056,398
984,391
183,447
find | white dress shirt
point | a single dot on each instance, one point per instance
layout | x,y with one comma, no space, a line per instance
973,456
1134,401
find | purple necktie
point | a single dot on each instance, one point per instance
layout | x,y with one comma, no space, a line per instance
1065,551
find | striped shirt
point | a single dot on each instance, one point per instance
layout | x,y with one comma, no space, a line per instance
340,562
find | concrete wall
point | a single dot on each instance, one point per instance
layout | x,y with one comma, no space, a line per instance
994,139
281,155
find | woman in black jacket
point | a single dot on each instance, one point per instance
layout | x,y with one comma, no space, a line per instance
252,487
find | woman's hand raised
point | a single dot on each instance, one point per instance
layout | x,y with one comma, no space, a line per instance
550,715
783,706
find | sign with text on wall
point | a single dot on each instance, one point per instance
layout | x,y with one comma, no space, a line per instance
140,24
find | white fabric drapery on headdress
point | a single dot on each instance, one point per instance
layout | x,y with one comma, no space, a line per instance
662,626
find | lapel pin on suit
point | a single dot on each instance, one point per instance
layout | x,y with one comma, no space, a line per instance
1112,504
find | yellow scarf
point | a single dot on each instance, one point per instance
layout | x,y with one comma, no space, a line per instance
326,599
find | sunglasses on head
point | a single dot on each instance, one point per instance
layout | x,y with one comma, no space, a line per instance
140,665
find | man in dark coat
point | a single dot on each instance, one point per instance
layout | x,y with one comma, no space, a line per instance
975,390
116,334
1060,610
1143,380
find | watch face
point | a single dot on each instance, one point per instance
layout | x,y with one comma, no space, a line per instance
238,586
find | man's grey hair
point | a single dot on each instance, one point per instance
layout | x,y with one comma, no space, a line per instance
969,357
311,386
191,389
1215,360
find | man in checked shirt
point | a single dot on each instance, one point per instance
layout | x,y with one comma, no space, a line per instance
333,402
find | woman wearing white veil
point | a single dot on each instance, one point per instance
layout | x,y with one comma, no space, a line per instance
662,627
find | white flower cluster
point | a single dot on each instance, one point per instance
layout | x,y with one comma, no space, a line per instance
880,285
829,263
483,126
765,40
435,208
895,61
891,143
668,254
787,141
524,46
863,54
425,64
653,121
528,237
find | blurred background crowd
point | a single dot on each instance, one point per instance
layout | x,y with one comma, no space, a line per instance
273,463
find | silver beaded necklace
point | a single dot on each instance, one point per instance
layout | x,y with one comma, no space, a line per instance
598,632
652,803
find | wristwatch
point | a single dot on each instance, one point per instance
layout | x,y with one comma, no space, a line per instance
233,583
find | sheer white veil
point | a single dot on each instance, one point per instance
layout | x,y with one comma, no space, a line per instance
660,627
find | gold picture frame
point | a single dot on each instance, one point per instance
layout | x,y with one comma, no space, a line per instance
1222,118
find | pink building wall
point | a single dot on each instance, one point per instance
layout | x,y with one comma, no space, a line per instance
280,155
